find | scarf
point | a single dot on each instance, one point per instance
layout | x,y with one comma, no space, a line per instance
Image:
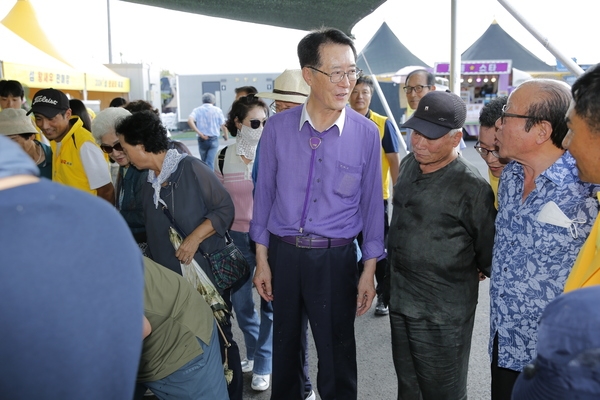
170,163
247,140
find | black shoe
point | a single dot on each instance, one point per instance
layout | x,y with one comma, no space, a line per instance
381,308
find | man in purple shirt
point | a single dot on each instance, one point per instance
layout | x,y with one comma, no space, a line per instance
313,195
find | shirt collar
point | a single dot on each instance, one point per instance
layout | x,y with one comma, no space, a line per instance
340,121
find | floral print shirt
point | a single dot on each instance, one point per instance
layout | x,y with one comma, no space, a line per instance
532,259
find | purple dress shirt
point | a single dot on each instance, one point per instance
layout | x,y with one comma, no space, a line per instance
343,198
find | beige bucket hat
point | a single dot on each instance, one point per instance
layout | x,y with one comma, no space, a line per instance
15,121
289,86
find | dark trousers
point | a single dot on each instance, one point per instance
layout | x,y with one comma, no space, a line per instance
503,379
236,387
318,285
431,359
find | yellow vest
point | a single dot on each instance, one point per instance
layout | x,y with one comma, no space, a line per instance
67,167
385,165
494,182
586,271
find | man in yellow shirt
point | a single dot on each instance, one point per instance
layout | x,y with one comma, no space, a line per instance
583,142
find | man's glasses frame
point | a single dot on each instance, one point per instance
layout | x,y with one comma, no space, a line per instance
109,149
338,76
417,89
510,115
483,152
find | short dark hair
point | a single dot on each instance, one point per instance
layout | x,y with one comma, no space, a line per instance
491,112
246,89
430,77
144,128
586,95
117,102
140,105
11,88
309,48
240,109
366,80
26,136
555,100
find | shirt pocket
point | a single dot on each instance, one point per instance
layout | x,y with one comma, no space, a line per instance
347,180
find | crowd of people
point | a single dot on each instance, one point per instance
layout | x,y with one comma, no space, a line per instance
104,294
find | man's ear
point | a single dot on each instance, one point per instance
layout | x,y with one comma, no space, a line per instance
68,114
543,131
307,75
456,138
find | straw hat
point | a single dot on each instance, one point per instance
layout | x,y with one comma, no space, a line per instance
15,121
289,86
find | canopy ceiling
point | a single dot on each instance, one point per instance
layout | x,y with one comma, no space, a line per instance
294,14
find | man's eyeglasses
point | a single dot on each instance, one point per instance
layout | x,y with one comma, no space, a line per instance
483,152
338,76
255,123
417,89
109,149
509,115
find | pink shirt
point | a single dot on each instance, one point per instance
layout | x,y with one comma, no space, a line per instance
237,179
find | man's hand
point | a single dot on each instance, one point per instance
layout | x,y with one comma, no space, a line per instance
262,276
366,288
481,276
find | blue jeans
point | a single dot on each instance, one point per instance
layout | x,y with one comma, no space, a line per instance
208,150
200,379
258,332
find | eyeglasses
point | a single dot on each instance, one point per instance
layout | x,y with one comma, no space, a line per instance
509,115
483,152
338,76
417,89
109,149
255,123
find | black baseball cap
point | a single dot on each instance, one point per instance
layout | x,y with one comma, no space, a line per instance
437,114
49,102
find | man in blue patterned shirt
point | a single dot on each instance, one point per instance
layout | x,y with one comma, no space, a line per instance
545,214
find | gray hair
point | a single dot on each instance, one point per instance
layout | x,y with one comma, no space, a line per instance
453,132
209,98
106,120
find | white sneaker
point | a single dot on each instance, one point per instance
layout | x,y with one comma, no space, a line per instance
311,396
247,365
260,383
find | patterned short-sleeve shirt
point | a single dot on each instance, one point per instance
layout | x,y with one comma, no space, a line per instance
532,259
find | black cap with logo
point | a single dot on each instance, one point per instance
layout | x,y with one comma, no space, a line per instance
49,102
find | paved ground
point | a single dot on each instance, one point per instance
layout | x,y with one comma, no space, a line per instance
376,376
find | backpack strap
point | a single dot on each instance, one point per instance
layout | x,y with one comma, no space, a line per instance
221,159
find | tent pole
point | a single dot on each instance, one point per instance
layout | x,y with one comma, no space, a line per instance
109,32
455,62
567,62
386,107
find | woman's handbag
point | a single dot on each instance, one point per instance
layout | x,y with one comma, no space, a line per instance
228,265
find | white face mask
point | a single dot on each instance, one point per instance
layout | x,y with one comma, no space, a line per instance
552,214
247,140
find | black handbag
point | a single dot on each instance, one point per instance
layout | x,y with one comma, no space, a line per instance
228,265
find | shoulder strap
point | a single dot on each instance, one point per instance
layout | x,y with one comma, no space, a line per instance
222,159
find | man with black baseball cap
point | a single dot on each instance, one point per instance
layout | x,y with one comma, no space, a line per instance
77,160
441,236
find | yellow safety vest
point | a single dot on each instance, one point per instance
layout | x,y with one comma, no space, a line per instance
385,165
67,167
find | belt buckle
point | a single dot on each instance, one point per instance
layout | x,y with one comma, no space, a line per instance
300,238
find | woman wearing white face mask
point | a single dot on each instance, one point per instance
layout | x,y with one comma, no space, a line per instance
233,166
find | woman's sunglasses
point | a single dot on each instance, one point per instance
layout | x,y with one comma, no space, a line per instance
255,123
109,149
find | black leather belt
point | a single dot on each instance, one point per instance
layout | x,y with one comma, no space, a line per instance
307,242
